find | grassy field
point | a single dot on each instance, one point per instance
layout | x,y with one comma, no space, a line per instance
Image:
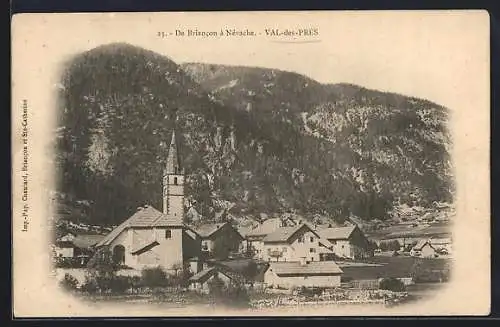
397,267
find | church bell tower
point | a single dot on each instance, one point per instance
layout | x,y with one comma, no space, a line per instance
173,184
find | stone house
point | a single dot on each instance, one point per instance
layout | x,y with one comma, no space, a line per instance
77,246
348,242
222,238
200,282
293,244
255,237
423,249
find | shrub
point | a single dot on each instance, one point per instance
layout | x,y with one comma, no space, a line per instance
216,286
237,295
154,277
234,294
431,276
61,262
107,283
392,284
390,245
310,291
120,284
69,282
90,285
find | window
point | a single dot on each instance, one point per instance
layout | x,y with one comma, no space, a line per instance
168,234
311,239
301,240
312,250
175,180
284,249
119,254
312,258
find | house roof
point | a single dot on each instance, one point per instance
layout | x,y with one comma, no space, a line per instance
337,233
421,244
206,230
205,274
283,234
244,230
144,217
268,226
85,241
310,269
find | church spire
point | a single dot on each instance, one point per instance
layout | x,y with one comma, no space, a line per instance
173,163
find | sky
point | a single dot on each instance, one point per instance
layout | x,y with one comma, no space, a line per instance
432,55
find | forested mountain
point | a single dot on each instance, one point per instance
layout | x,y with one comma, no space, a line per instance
251,139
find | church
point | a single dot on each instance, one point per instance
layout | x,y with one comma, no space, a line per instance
152,238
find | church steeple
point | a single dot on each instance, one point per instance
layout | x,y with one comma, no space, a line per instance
173,183
173,163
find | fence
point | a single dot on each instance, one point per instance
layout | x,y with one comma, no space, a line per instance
371,284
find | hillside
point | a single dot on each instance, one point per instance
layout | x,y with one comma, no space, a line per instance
253,140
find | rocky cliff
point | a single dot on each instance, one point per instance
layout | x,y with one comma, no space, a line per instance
252,140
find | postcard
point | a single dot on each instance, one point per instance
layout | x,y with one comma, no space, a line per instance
251,164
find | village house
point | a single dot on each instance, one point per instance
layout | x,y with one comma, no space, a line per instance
294,243
219,240
348,242
200,282
443,245
301,273
423,249
77,246
254,238
64,247
150,238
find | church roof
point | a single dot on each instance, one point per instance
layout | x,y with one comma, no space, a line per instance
173,165
144,217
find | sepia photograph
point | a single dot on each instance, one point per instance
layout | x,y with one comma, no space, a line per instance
298,164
